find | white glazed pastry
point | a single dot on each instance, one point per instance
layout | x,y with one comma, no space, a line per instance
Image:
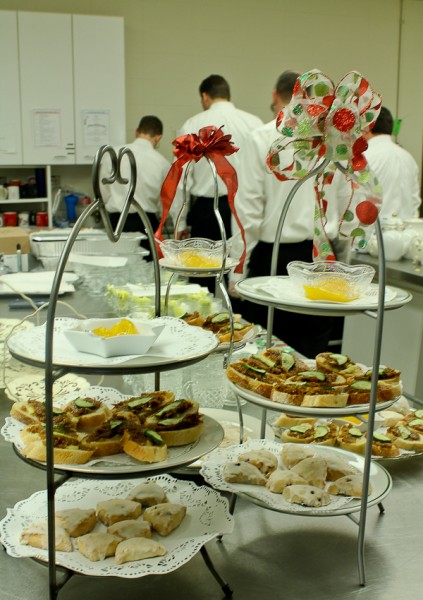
350,485
130,528
117,509
165,517
265,461
306,495
76,521
138,548
292,454
148,494
37,535
313,469
279,480
97,546
243,472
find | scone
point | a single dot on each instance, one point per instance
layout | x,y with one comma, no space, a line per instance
165,517
117,509
306,495
130,528
313,470
292,454
265,461
137,548
76,521
279,480
37,535
243,472
350,485
97,546
148,494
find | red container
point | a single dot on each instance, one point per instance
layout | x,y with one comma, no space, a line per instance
41,219
10,219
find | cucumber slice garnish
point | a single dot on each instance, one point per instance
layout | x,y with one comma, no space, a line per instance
302,428
321,431
364,386
380,437
139,401
220,317
341,359
154,437
254,369
288,361
355,432
313,375
82,403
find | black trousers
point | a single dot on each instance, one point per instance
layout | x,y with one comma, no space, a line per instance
133,223
307,334
203,223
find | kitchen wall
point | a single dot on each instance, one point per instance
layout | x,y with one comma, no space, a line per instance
171,45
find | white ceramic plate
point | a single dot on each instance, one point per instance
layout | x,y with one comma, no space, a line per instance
177,343
230,423
197,271
210,438
212,471
278,291
356,409
207,516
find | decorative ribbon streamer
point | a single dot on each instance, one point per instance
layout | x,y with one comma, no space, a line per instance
327,122
210,143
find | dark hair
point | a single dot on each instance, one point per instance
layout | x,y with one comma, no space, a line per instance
384,123
285,84
216,87
150,125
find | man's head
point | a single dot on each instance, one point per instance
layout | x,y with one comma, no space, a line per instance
214,89
151,128
282,92
384,123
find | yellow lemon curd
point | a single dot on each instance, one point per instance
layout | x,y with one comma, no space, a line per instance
189,258
124,327
335,289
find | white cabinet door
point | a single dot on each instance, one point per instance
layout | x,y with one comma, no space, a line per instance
10,113
99,83
45,49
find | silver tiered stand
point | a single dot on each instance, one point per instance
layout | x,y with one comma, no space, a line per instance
361,521
53,372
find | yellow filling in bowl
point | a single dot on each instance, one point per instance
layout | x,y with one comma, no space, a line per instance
124,327
334,289
197,260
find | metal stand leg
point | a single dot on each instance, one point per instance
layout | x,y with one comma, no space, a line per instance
225,587
381,508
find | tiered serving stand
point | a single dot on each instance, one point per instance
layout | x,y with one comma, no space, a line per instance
248,290
55,370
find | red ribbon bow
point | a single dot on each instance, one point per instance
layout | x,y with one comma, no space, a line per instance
210,143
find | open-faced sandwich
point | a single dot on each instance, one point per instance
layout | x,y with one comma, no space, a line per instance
312,388
178,423
220,325
89,412
145,404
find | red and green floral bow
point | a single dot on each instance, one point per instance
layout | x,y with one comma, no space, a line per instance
327,122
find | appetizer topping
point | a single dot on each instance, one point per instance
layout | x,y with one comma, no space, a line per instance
84,403
254,369
416,423
355,432
365,386
313,375
341,359
403,432
288,361
139,401
321,431
266,360
154,437
380,437
302,428
220,317
419,414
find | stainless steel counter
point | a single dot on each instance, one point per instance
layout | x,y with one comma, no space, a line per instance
402,273
269,554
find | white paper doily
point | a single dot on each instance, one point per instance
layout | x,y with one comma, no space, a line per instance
31,387
207,516
212,471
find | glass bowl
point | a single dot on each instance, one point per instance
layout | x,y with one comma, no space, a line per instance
330,281
194,252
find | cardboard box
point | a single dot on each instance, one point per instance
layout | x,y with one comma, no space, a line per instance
10,237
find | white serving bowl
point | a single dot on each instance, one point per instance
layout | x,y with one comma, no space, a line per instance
83,340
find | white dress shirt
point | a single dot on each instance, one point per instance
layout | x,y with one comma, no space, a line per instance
152,169
398,173
238,123
261,197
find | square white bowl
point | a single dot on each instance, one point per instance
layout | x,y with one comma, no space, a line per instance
83,340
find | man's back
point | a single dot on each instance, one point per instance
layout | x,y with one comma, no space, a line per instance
397,172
